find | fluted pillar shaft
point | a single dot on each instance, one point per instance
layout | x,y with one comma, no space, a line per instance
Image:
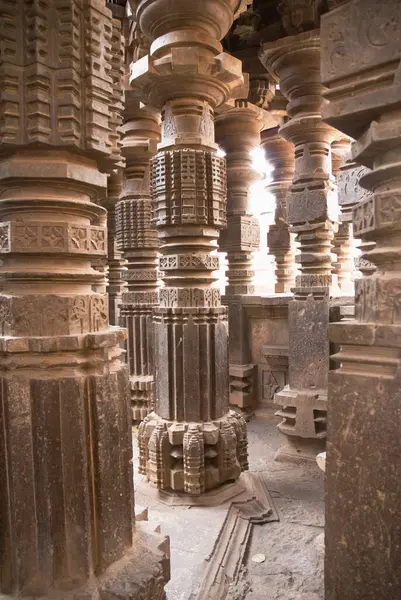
137,239
312,213
280,154
66,497
361,65
191,443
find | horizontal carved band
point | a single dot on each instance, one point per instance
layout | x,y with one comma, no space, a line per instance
52,238
189,261
31,315
189,297
382,211
141,275
138,298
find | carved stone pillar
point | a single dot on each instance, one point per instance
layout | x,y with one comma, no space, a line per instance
238,133
312,212
191,443
238,126
137,239
280,154
361,65
66,497
116,272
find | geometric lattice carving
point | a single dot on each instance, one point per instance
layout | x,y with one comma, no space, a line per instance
189,187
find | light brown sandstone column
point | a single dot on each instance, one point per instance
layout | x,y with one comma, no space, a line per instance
192,443
137,239
66,497
361,59
238,126
312,212
280,154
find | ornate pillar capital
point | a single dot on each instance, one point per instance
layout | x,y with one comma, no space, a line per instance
186,58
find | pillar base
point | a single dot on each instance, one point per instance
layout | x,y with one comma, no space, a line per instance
227,492
304,414
142,397
241,392
142,573
300,450
192,458
67,506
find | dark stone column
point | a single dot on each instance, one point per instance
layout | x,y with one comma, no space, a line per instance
192,443
361,58
238,132
137,238
66,497
312,213
280,154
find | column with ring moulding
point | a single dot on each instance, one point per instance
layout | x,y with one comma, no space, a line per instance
361,66
66,497
280,155
312,213
238,124
137,238
192,442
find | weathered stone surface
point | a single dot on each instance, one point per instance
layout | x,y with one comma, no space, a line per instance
66,498
361,57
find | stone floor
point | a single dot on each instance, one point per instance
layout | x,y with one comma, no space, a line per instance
292,547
